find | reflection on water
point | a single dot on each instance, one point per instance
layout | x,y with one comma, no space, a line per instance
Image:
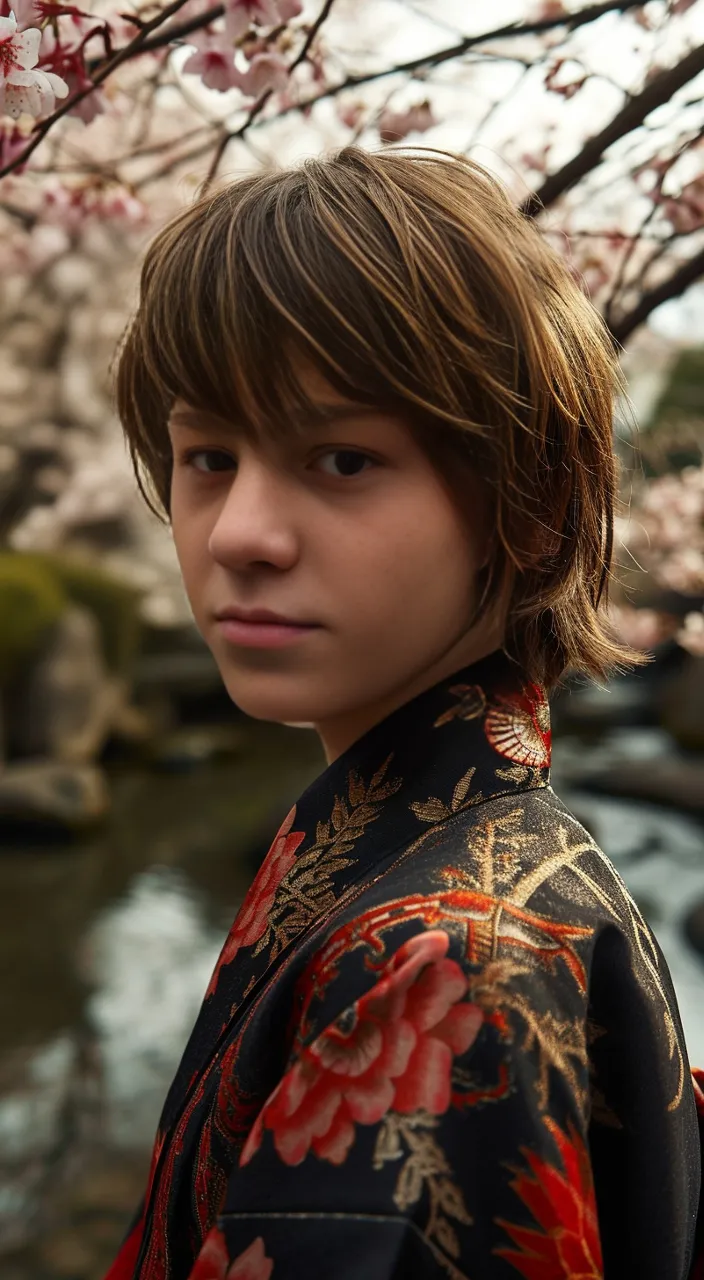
110,944
152,951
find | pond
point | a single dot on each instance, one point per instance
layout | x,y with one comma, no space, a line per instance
109,943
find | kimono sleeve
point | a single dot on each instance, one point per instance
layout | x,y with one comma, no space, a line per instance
434,1126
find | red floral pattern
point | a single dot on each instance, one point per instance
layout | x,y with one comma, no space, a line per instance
563,1203
392,1050
518,726
213,1262
251,919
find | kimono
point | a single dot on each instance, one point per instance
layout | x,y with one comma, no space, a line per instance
440,1039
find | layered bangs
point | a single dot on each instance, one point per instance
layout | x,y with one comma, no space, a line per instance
313,265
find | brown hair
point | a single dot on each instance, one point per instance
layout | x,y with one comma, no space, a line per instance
413,283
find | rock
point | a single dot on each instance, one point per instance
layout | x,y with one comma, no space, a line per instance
69,701
589,710
671,780
682,704
47,792
693,927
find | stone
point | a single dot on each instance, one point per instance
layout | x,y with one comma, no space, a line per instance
589,710
50,792
682,704
68,702
693,927
671,780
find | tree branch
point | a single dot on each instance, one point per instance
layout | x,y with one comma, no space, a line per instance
656,94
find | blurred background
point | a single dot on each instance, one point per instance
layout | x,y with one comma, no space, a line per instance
136,801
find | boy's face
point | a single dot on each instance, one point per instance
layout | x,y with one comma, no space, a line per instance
371,548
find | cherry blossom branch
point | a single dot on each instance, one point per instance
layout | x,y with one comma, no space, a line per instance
128,51
142,44
227,136
659,91
426,61
541,25
688,274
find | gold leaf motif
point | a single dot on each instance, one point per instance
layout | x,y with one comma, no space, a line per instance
355,788
450,1198
446,1237
387,789
472,703
516,773
462,788
388,1143
432,810
307,890
340,814
409,1186
425,1167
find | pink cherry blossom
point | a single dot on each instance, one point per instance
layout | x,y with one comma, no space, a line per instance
12,143
69,63
22,88
289,9
265,71
28,13
394,125
240,14
213,61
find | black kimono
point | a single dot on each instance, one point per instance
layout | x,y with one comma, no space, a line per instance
440,1039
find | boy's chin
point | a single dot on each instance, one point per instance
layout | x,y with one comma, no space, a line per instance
262,709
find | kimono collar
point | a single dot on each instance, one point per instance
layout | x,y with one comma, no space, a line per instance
481,732
486,717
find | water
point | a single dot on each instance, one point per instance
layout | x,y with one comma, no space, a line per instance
110,942
108,945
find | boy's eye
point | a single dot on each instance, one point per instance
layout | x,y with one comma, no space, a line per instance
352,460
189,459
351,464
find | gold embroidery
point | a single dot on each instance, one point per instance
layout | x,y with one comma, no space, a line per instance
472,702
306,891
555,1041
641,938
435,810
425,1166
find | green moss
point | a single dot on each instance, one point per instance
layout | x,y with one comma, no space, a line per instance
36,587
32,600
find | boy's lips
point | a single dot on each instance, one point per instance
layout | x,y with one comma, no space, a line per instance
261,616
262,635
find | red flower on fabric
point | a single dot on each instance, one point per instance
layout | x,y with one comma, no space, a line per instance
518,726
213,1261
251,919
563,1203
391,1050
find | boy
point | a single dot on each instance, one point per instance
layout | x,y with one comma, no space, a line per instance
440,1040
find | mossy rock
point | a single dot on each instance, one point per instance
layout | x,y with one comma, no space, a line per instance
32,599
36,587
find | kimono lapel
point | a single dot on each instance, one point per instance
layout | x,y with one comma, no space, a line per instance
481,732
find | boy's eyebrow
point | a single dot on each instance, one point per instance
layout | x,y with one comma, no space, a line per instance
201,420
